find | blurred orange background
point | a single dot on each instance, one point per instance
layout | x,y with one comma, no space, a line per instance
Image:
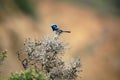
95,35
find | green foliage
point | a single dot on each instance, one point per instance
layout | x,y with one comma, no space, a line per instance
43,61
26,6
3,56
104,6
1,78
29,74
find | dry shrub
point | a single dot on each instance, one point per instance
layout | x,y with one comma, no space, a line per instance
46,57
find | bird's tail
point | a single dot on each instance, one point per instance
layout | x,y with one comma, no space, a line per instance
67,31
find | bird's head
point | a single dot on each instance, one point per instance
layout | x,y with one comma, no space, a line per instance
54,27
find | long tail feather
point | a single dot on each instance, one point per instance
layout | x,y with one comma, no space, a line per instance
67,31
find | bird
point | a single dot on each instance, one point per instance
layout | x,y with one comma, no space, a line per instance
58,31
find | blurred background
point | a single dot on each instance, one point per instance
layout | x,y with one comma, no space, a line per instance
94,26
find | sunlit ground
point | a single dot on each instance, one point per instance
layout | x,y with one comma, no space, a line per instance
94,37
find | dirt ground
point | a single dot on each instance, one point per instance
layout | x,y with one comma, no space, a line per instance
95,38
